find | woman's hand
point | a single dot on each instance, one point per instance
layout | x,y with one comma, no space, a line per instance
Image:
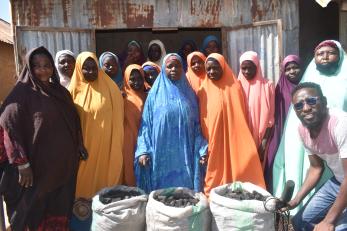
144,160
25,176
203,160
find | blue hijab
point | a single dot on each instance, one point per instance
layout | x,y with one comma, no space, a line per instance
170,134
208,39
119,77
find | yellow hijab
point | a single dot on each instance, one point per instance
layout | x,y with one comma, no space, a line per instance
100,107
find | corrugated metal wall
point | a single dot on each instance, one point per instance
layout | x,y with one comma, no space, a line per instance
126,14
54,40
263,38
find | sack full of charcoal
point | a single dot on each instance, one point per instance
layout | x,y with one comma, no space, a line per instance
178,209
119,208
242,206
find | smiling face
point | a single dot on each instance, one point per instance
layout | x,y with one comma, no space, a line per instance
214,70
197,65
173,68
90,70
327,59
248,69
110,66
66,65
313,108
292,72
136,80
42,67
154,52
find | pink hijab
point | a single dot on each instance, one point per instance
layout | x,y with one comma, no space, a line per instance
259,95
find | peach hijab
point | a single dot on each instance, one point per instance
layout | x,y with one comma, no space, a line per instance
194,79
100,106
232,153
259,97
133,106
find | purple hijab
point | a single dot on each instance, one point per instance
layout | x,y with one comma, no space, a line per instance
282,103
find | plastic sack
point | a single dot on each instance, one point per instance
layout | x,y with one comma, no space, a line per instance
233,214
190,218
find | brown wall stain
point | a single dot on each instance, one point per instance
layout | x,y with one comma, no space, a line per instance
8,70
138,15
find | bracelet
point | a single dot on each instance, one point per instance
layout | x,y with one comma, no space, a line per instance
23,166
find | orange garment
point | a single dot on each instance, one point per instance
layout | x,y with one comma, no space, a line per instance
194,79
260,98
156,66
133,106
232,153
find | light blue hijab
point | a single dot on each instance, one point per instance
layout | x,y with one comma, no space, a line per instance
170,134
291,162
119,77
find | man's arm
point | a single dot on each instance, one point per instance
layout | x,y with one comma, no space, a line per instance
339,204
313,175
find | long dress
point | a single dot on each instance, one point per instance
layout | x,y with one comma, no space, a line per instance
291,163
100,106
282,102
41,127
170,134
133,107
232,153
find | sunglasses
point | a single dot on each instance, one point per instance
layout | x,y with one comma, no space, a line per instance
309,101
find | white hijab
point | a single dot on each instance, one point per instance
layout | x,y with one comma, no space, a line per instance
65,81
162,48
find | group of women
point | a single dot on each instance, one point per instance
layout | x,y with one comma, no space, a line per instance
147,124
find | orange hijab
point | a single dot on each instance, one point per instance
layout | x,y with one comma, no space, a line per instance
156,66
232,153
194,79
260,98
133,106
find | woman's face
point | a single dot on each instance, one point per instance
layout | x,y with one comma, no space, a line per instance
187,49
197,64
151,76
110,66
327,59
42,67
212,47
136,80
293,72
90,70
173,69
214,70
248,69
134,53
154,52
66,65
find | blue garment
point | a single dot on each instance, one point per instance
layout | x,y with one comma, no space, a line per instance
170,134
119,77
318,207
181,53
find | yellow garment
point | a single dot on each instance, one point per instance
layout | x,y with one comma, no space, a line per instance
100,106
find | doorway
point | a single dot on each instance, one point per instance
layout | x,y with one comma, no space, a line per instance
316,24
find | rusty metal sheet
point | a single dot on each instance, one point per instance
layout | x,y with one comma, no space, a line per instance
263,38
54,40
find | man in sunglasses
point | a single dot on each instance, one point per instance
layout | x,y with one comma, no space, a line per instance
323,132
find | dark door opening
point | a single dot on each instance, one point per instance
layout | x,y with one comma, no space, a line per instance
117,40
316,24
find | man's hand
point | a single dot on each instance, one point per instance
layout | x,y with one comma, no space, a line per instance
144,159
291,205
324,226
25,177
